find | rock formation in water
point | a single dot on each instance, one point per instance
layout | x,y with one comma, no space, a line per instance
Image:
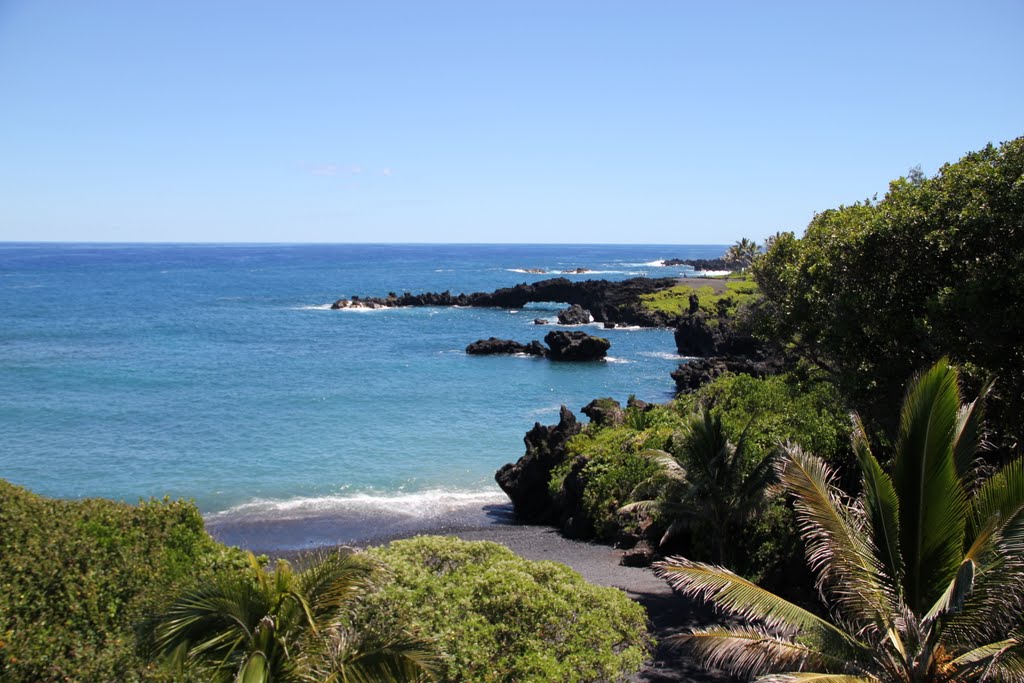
606,301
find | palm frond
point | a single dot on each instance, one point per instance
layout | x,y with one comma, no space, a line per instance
836,548
1001,495
344,656
737,596
933,505
967,435
881,503
810,677
334,579
747,651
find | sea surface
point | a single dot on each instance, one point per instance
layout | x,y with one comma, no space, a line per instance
219,373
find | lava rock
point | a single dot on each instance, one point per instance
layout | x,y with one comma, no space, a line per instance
606,412
495,346
575,346
575,315
525,482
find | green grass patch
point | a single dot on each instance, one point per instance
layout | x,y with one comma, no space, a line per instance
676,300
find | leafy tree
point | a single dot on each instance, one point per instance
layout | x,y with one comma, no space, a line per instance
924,574
284,626
875,290
706,485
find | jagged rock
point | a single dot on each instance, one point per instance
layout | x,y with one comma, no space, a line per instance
609,326
634,402
575,315
526,481
494,346
615,302
540,321
574,520
692,375
575,346
700,263
694,337
576,271
606,412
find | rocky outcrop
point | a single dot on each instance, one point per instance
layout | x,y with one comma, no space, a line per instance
606,301
563,346
700,263
495,346
575,315
606,412
526,481
575,346
692,375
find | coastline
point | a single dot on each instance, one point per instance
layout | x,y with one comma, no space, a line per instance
669,614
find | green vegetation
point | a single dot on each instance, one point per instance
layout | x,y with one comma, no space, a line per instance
78,578
924,573
706,486
613,465
675,301
285,625
497,617
875,291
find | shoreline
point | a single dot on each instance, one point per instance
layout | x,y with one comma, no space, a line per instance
597,563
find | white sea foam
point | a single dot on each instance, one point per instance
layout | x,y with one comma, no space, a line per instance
666,355
613,359
528,272
433,503
317,307
710,273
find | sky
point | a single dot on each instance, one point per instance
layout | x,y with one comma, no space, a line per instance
487,120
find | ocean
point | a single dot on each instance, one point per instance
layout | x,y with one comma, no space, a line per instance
219,373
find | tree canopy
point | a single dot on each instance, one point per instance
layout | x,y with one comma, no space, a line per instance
877,290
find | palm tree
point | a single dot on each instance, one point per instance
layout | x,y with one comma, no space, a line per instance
924,574
705,487
743,253
258,627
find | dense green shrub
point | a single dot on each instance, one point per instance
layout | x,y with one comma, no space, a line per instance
614,466
498,617
776,410
77,578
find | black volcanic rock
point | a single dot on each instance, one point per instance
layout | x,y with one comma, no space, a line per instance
574,315
607,301
575,346
692,375
495,346
605,411
526,481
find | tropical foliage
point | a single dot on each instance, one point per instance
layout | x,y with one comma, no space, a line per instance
742,253
497,617
705,485
878,289
924,573
286,625
77,577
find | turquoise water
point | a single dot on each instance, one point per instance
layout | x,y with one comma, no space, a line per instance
218,373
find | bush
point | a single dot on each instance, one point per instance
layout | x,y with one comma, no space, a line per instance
77,579
498,617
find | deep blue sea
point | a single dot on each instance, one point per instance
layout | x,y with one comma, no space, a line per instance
218,373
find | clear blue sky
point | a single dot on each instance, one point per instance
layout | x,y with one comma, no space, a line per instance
484,120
